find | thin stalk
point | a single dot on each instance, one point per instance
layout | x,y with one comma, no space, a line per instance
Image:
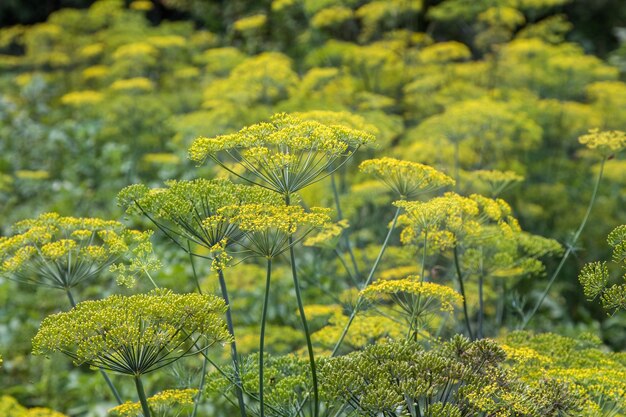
307,333
417,298
570,247
345,266
481,305
142,396
344,234
462,291
359,300
200,388
262,337
305,325
150,278
108,381
193,269
233,344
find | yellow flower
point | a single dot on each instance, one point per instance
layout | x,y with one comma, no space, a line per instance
250,23
407,179
82,98
605,142
446,296
138,83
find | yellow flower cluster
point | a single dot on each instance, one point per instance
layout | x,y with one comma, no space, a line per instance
250,23
329,236
287,153
446,296
497,181
133,335
605,142
138,83
35,175
82,98
450,218
507,17
96,71
161,158
133,50
599,376
283,219
443,52
268,228
61,252
398,272
331,17
407,179
9,407
163,404
190,210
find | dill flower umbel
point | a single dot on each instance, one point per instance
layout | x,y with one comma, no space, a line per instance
134,335
496,181
405,178
189,210
269,228
595,276
446,296
285,154
61,252
605,142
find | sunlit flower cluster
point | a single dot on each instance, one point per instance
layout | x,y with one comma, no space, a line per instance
269,228
62,252
285,154
407,179
137,334
605,142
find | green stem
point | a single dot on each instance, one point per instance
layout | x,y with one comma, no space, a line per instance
193,268
150,278
309,343
417,298
481,303
305,325
345,236
570,247
462,290
108,381
233,344
142,396
345,266
205,362
262,337
359,300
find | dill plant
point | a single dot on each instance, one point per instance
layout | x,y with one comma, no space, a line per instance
285,155
135,335
269,231
65,252
483,236
407,180
189,213
603,145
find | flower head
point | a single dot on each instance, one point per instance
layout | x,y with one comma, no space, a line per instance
161,404
407,179
445,296
189,210
134,335
269,228
61,252
607,142
285,154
